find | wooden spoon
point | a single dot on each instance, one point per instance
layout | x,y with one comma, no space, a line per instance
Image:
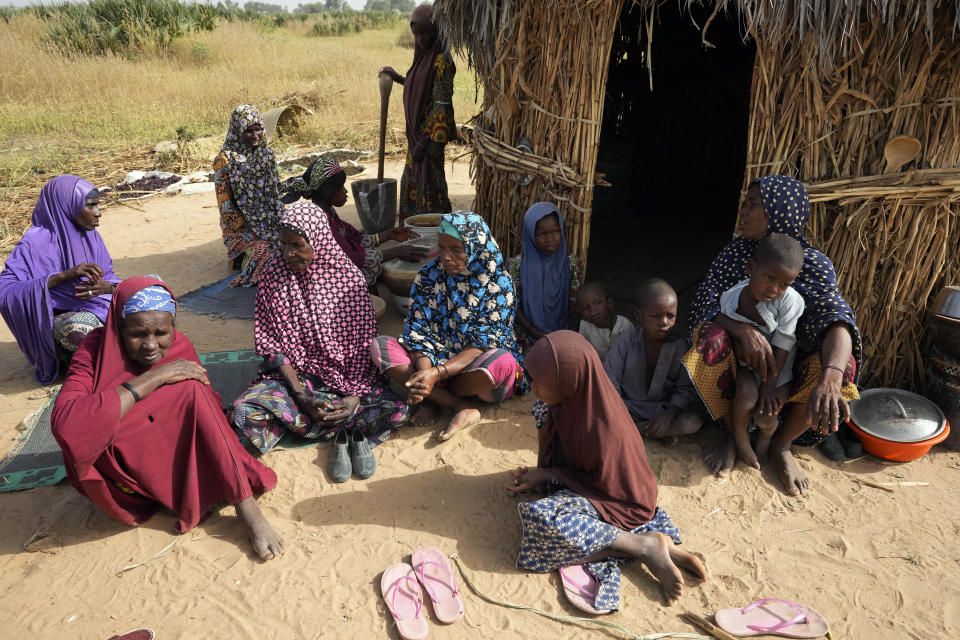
899,151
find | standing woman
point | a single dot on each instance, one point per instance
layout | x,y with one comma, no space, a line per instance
55,287
428,109
248,194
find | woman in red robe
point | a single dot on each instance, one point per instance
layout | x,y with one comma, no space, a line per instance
141,428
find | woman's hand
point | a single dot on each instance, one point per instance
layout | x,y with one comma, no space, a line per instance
406,252
396,77
827,404
339,411
526,479
180,370
421,384
753,348
92,289
401,234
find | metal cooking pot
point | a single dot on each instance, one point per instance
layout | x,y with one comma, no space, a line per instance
897,425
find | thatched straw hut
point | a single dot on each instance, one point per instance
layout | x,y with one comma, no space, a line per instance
811,88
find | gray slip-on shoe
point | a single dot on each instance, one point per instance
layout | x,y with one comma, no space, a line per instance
364,462
340,468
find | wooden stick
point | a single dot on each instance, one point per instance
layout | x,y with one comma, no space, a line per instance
707,626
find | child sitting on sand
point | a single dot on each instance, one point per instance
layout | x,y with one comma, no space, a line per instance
645,369
599,324
767,301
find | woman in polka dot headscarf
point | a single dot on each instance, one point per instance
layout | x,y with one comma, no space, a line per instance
829,351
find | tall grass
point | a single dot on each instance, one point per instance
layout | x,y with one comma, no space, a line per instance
58,110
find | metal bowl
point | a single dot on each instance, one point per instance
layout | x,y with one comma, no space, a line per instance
947,303
945,333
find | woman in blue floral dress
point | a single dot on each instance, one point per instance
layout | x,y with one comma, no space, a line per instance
458,341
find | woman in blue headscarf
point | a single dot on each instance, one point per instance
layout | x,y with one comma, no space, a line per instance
458,340
545,277
829,350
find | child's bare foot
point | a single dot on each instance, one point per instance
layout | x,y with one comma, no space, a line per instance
670,442
745,451
688,561
721,460
266,541
762,446
461,420
794,478
653,549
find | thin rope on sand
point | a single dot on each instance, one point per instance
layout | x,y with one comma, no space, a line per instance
130,567
552,616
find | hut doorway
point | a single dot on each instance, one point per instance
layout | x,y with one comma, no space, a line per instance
675,155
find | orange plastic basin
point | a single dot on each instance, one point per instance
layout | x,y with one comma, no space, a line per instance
898,451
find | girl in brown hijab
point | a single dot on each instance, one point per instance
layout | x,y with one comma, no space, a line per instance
603,504
428,109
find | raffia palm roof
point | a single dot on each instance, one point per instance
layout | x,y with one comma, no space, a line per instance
478,25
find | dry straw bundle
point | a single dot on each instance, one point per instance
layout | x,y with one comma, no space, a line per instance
543,65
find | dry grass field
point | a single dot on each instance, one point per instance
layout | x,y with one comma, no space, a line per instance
98,116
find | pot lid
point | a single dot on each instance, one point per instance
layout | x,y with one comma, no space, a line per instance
897,415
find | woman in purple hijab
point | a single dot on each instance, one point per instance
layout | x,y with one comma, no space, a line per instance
55,287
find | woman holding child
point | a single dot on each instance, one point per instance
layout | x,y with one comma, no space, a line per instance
828,339
602,509
458,341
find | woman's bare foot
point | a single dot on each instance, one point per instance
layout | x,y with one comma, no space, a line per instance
721,460
423,415
461,420
794,478
266,541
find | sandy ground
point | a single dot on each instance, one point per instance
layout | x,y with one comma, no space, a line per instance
876,564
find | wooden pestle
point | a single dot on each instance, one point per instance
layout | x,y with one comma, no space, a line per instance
386,85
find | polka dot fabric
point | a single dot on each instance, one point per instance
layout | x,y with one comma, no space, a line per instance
787,206
321,319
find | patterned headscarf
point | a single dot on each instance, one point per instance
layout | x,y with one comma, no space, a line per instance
321,319
787,206
476,308
254,178
152,298
319,173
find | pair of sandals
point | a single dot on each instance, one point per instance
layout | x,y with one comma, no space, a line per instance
351,455
400,586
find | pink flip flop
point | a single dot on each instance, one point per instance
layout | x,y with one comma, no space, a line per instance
581,588
773,616
402,594
435,574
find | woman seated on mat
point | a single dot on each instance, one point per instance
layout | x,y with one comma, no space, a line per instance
545,278
313,325
324,184
248,194
141,428
827,364
55,286
603,504
458,340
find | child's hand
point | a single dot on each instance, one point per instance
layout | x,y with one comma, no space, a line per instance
526,479
771,399
661,424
